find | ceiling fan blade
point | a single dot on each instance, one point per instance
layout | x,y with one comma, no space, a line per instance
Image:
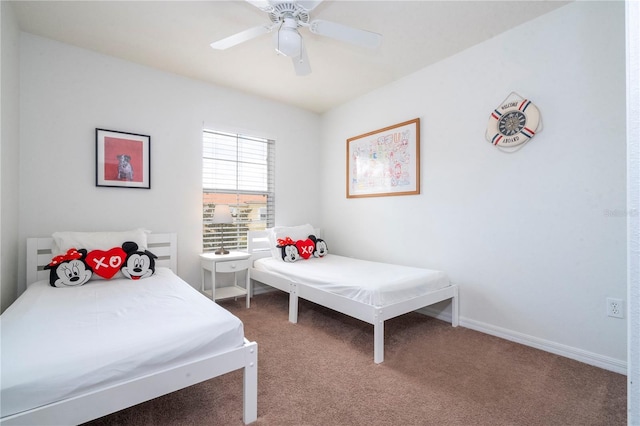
241,37
263,5
301,63
341,32
308,5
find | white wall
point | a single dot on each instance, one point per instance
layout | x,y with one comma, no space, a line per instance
9,149
536,239
67,92
633,208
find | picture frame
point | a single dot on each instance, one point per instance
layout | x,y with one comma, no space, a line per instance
123,159
385,162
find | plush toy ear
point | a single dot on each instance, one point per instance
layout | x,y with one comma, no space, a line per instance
129,247
52,274
152,260
84,252
283,252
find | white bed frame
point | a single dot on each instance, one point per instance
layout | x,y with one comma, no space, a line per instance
113,398
258,246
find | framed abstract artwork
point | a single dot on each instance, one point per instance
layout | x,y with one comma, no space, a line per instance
385,162
122,159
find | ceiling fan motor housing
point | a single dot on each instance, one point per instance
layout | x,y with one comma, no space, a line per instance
284,10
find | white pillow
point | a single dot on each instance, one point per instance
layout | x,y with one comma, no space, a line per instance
300,232
63,241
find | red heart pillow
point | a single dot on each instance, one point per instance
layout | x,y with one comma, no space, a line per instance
106,263
305,248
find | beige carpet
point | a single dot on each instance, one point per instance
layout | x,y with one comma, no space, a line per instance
321,372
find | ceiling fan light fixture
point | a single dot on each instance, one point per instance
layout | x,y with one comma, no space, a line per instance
287,40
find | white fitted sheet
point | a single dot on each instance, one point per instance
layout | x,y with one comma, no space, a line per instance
373,283
61,342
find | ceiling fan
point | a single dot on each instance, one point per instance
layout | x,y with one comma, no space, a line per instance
286,17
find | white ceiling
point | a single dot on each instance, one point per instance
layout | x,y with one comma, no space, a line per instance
175,35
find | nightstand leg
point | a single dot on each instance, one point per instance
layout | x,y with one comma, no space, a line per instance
213,283
248,287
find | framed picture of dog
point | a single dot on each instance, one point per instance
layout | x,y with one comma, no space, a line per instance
122,159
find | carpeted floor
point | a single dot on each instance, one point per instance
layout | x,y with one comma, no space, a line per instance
321,372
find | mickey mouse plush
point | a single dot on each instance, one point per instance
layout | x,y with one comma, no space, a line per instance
69,269
139,264
320,246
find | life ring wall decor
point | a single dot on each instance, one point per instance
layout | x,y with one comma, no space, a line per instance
513,123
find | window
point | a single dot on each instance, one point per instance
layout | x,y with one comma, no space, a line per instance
237,171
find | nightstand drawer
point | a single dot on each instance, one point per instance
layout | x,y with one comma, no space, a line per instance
232,266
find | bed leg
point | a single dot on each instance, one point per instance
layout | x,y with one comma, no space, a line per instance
250,393
378,340
293,304
454,309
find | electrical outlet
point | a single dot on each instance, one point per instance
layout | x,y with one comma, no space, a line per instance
615,307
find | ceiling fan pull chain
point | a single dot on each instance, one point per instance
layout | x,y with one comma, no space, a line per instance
278,37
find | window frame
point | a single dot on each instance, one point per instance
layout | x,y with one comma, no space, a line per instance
248,211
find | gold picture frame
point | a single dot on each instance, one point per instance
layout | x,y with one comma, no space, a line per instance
385,162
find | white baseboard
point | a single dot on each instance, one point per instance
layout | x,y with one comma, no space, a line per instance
259,288
601,361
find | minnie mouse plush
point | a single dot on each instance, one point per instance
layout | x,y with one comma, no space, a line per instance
69,269
289,250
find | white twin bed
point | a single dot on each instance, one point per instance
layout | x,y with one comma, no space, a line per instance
369,291
70,355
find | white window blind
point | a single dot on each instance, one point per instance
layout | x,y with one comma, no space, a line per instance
238,171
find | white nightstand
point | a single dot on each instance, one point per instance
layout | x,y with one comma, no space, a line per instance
234,262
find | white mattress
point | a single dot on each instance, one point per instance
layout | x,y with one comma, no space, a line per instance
373,283
62,342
